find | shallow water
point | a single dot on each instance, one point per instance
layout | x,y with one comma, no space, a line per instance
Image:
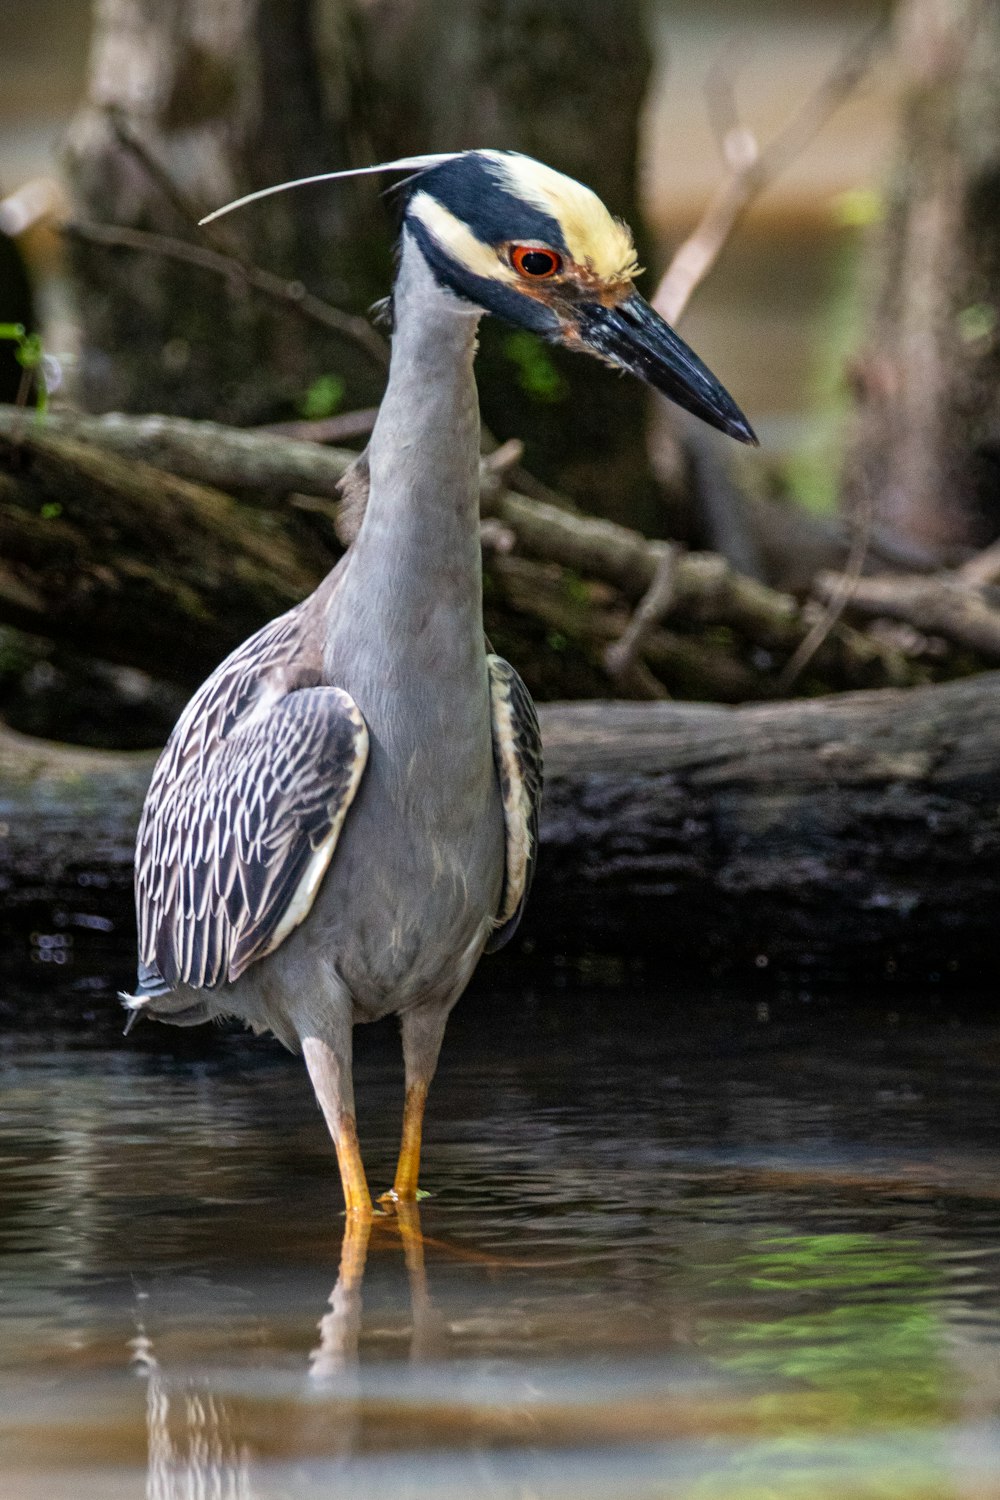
699,1246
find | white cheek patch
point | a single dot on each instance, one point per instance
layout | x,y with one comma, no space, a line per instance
458,240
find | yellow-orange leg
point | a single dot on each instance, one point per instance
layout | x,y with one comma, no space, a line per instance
357,1198
404,1187
334,1095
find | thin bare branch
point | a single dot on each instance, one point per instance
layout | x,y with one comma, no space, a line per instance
131,141
291,294
343,428
737,144
622,656
938,605
837,599
753,171
983,570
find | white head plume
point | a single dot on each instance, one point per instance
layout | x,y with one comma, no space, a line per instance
402,164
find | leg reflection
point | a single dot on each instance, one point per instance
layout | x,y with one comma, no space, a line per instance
193,1447
429,1328
340,1328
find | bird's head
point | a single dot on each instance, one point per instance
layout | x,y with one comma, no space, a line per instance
540,250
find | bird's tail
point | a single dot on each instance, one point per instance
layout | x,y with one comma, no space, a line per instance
173,1007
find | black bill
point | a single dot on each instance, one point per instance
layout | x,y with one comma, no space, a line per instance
635,337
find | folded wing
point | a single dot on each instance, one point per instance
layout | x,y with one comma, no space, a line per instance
233,845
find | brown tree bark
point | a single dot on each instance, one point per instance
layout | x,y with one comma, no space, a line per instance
188,106
927,446
563,81
227,99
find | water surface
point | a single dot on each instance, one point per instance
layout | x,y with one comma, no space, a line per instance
677,1246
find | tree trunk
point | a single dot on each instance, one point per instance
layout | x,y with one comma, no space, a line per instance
927,447
237,97
854,837
563,81
221,99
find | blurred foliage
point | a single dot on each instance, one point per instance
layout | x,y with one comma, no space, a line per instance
812,472
536,373
323,398
30,356
844,1332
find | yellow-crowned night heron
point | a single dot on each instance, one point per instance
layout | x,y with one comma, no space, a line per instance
345,816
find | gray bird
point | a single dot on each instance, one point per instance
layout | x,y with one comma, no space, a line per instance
345,817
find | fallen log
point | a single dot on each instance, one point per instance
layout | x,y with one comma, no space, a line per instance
855,836
150,567
229,458
126,562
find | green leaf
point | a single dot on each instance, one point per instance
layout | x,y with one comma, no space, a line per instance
536,373
976,322
575,588
322,398
29,355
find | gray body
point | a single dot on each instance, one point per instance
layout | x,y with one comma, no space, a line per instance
346,814
408,903
414,888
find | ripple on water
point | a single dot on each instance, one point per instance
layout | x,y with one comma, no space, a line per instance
719,1263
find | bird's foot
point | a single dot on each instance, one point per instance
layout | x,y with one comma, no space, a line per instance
394,1200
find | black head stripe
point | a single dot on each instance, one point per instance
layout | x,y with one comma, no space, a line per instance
474,190
503,301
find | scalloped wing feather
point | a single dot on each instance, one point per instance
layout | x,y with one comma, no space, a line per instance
243,813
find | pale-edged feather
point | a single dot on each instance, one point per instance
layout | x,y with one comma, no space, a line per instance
243,812
517,754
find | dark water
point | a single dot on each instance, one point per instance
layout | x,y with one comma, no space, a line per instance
678,1246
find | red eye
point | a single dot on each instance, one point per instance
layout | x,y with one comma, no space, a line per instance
534,263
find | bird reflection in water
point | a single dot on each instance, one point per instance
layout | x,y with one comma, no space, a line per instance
340,1328
204,1458
193,1444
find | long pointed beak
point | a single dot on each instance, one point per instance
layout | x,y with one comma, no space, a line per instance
634,337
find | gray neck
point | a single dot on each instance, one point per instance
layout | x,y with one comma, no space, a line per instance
424,451
411,591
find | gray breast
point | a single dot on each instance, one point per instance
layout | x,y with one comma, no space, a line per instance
410,899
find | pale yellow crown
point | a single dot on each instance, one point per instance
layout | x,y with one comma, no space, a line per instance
598,243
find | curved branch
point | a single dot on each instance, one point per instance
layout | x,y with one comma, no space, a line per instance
754,169
288,293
